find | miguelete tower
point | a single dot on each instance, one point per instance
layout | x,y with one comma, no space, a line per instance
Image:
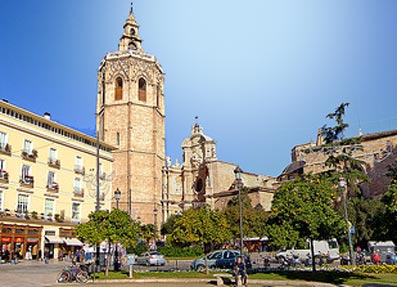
130,116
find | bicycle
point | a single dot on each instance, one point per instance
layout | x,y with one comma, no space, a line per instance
79,273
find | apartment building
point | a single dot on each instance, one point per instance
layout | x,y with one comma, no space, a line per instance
48,181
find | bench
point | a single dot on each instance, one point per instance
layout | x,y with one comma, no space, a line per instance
220,277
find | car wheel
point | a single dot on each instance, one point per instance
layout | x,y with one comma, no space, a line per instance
200,268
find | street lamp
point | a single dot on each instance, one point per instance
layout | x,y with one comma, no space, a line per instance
155,212
343,186
117,196
237,172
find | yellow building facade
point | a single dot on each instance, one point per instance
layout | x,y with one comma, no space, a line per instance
48,181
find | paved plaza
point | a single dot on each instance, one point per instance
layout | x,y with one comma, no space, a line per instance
38,274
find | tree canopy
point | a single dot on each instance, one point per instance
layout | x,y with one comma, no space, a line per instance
254,218
205,227
112,227
303,209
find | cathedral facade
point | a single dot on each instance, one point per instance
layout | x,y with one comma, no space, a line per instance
203,179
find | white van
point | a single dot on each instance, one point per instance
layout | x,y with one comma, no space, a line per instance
327,248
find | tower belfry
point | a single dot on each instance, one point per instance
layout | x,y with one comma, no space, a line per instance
130,39
131,117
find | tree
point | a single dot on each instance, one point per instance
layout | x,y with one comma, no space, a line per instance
203,226
390,201
340,152
303,209
148,232
112,227
254,218
168,226
367,215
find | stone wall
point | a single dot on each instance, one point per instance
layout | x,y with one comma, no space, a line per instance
379,152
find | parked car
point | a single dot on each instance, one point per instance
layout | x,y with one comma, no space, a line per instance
151,258
222,259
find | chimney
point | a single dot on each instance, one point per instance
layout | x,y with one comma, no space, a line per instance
47,115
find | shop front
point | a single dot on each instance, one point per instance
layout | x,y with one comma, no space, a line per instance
71,245
52,243
22,239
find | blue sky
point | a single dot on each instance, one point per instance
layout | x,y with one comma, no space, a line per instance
261,75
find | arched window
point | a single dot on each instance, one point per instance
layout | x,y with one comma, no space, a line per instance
103,88
118,93
158,97
118,138
142,90
131,46
132,32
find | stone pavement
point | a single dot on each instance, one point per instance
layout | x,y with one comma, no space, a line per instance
38,274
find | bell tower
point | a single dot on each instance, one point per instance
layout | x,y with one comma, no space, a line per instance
131,116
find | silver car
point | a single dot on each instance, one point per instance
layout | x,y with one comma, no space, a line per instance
151,258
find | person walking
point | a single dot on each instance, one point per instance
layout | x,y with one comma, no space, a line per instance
46,256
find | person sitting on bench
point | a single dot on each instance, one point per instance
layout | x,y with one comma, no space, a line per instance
239,270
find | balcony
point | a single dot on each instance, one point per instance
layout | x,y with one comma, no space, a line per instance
78,192
5,149
79,169
53,187
27,181
55,163
30,156
3,176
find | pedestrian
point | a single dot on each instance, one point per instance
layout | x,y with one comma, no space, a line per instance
28,255
239,271
46,256
60,255
376,257
6,256
14,259
39,255
34,252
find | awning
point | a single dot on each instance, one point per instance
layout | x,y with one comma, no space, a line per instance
53,239
72,242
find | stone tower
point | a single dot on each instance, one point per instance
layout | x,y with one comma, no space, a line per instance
131,116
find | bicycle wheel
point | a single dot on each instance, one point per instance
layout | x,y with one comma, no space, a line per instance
82,277
63,277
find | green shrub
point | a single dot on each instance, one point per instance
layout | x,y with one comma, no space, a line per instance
181,251
376,269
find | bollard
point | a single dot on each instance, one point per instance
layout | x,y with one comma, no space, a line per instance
131,271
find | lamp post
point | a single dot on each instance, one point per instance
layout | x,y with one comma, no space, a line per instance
237,173
343,186
117,196
155,212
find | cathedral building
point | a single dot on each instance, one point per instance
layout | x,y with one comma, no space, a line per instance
131,117
203,179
